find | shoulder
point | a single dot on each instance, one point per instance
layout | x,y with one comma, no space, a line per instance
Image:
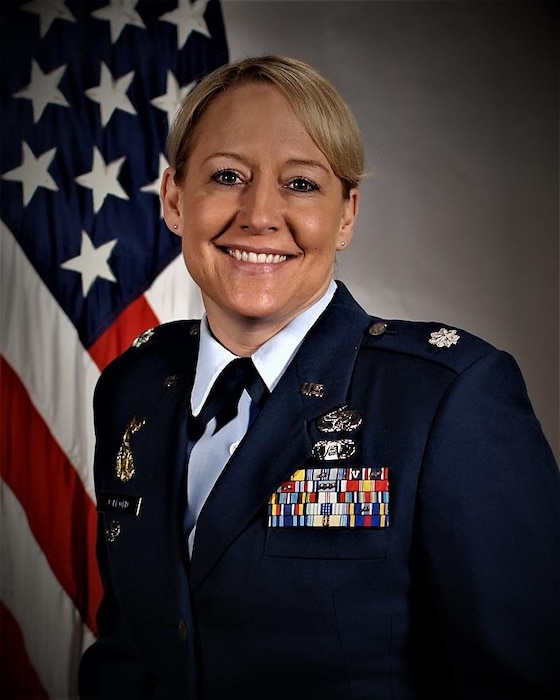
446,345
163,350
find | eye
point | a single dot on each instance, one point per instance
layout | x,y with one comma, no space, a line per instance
302,184
227,176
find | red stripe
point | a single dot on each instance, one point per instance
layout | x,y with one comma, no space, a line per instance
137,317
61,514
18,679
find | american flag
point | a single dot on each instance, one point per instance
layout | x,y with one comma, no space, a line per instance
88,89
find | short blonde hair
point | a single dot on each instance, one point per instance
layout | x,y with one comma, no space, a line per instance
313,98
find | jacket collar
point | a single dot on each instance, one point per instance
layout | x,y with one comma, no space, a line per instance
279,441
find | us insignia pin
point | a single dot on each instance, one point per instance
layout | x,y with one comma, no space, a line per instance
340,419
125,462
142,338
171,381
328,450
311,389
444,338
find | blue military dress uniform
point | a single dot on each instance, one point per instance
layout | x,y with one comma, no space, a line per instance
388,528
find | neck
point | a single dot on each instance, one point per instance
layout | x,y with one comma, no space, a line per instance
242,337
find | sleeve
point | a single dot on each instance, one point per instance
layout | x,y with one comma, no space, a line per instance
489,518
110,668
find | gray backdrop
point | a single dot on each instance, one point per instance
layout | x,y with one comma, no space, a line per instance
458,106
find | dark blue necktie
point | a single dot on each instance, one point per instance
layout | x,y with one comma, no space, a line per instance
223,401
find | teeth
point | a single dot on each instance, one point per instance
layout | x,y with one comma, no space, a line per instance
260,258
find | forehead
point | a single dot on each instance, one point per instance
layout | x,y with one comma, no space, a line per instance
253,114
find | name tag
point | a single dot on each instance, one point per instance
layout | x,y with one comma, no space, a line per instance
124,504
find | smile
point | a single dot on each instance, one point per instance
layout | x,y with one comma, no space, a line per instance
259,258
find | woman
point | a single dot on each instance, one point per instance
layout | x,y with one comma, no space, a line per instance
381,520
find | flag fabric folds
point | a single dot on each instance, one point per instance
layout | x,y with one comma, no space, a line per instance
88,89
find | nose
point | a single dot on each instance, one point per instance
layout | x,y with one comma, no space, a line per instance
261,207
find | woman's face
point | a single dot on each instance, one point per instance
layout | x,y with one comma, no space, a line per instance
260,211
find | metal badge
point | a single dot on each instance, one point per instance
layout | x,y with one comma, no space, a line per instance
340,419
328,450
311,389
444,338
125,462
113,531
143,338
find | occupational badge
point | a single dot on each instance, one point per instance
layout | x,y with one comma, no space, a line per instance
125,461
444,338
329,450
343,419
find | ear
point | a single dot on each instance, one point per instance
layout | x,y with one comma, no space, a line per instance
170,195
349,214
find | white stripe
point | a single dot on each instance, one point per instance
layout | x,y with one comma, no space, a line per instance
42,346
53,633
174,295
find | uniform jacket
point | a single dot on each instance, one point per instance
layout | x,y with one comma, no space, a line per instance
454,593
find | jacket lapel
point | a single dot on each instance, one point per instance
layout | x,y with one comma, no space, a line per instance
280,440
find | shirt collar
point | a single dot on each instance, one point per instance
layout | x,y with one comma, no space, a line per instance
271,359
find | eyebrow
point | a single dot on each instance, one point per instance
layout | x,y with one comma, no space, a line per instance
291,161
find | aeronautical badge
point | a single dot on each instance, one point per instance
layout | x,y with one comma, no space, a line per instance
444,338
125,462
343,419
328,450
143,338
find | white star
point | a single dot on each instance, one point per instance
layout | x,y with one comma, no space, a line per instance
154,187
171,100
102,179
110,94
32,173
48,11
92,262
188,18
119,13
43,90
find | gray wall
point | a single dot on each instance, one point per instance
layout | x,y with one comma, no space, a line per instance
458,106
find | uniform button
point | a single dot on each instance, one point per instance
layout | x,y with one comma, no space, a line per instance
182,630
378,328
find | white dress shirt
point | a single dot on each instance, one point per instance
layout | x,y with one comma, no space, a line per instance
211,453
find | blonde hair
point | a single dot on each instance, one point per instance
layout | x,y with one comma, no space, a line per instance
314,99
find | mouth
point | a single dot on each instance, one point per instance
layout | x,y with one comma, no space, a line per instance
256,258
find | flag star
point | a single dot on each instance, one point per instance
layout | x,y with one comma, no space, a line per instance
174,95
188,18
43,90
92,263
110,94
154,187
48,11
102,179
32,173
119,13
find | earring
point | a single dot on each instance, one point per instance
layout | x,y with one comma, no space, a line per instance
342,244
175,226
